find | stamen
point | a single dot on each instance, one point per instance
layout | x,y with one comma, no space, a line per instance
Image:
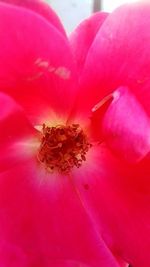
63,147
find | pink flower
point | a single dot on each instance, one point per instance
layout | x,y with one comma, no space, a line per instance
74,162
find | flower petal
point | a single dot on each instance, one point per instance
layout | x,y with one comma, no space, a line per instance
15,132
68,263
117,196
42,8
119,56
42,219
11,255
36,66
125,126
82,37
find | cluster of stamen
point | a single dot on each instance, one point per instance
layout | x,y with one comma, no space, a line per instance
63,147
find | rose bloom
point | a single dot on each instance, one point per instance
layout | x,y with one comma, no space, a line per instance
74,138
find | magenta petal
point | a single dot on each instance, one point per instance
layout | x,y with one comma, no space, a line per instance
12,120
126,126
42,220
12,255
36,71
82,37
15,130
117,196
119,56
42,8
68,263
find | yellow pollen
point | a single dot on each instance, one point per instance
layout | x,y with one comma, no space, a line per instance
63,147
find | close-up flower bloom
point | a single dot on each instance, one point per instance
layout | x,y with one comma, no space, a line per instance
74,138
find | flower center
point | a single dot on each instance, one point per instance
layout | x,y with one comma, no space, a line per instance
63,147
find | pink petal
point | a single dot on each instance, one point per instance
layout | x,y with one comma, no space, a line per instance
119,56
15,130
83,36
36,66
117,197
11,255
68,263
42,8
42,220
125,126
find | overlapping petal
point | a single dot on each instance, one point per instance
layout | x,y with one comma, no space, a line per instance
116,193
121,122
42,221
15,134
117,196
119,56
36,66
82,37
42,8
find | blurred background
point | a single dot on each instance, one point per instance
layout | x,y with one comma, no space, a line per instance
72,12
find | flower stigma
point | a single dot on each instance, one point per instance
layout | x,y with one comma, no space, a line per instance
63,147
